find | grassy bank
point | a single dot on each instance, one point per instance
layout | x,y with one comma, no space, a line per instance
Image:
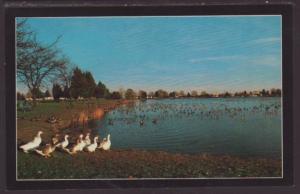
142,164
69,114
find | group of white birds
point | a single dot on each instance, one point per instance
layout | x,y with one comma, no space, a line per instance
82,144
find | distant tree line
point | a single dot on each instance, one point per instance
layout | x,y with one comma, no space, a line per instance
83,85
39,94
194,94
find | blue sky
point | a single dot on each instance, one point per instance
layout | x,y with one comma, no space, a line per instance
214,54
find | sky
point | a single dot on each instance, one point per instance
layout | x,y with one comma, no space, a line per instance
211,53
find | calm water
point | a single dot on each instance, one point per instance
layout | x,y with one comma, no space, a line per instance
237,126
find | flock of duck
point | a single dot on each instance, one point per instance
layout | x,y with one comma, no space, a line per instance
156,112
82,144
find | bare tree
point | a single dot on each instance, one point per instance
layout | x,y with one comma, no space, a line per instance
37,64
65,75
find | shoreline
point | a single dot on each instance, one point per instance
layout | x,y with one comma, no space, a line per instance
72,119
229,97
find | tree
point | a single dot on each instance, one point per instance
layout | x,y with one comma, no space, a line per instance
161,94
275,92
78,84
37,63
237,94
82,84
20,96
66,92
56,91
142,94
65,75
225,95
101,91
245,94
264,92
181,93
115,95
122,92
130,94
90,85
172,94
65,78
37,92
204,94
151,94
194,93
28,94
47,94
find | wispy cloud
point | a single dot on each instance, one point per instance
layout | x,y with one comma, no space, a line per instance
216,58
261,60
266,40
265,60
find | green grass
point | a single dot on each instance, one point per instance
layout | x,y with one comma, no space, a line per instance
30,122
45,108
141,164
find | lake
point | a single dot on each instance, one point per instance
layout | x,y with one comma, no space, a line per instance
235,126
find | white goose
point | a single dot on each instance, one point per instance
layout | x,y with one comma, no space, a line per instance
47,151
87,140
64,143
102,142
106,143
32,144
93,146
78,147
81,144
55,139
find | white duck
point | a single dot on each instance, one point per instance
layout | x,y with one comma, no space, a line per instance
87,140
105,145
55,139
78,147
93,146
47,151
32,144
102,142
79,139
81,144
64,143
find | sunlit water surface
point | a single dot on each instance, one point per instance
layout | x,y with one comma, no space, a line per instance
235,126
